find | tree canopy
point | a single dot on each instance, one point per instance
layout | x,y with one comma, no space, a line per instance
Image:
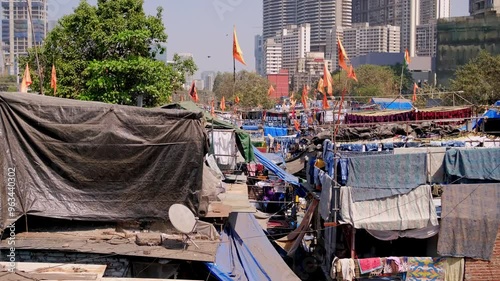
479,79
107,53
249,87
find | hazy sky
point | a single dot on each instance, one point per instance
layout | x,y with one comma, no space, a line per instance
204,27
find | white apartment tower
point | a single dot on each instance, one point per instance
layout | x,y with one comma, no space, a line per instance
362,39
480,7
407,14
272,56
19,33
295,43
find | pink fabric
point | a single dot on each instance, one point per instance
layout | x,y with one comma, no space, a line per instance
369,265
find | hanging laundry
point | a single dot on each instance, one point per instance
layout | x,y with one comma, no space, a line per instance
348,269
369,265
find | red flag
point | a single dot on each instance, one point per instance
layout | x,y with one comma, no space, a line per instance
342,55
304,97
193,92
223,104
53,79
237,53
352,74
415,88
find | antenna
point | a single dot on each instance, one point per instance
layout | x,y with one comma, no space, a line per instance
183,220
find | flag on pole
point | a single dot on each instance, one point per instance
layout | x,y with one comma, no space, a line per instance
53,79
304,97
223,104
271,91
237,53
296,125
415,88
236,99
352,74
321,86
26,82
212,108
325,102
193,92
342,55
327,78
407,57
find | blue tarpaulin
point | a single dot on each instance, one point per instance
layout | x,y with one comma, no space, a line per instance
246,254
275,131
269,164
392,104
491,113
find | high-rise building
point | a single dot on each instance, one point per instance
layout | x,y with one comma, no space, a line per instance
331,52
259,55
407,14
361,39
19,33
320,14
272,56
426,40
276,15
309,69
295,43
480,7
208,78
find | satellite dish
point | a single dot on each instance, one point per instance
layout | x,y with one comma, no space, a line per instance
182,218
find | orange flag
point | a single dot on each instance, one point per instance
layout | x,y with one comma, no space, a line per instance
352,74
223,104
328,78
26,82
53,79
237,99
296,124
415,88
321,86
237,53
212,108
342,55
325,102
271,91
304,97
193,92
407,57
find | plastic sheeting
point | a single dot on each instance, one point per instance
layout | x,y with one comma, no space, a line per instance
275,131
401,212
470,219
95,161
275,168
473,164
245,253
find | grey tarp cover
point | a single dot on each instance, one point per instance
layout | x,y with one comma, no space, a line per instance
473,164
469,220
382,176
95,161
245,253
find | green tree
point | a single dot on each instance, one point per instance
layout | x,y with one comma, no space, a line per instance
250,87
107,53
479,79
407,86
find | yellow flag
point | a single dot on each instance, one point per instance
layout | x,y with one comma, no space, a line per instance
237,53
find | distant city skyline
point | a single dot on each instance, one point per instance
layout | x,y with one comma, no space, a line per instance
204,28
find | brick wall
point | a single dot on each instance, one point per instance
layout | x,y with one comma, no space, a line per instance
116,266
478,270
